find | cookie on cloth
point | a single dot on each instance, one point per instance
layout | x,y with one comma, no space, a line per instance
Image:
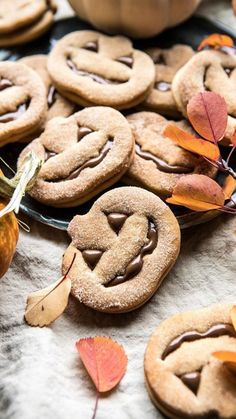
83,155
95,69
183,378
24,20
57,104
167,63
22,102
159,162
209,70
125,246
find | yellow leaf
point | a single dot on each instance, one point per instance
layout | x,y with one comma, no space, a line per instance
233,316
46,305
229,187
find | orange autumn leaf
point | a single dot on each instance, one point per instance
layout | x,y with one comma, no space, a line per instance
197,192
229,186
104,359
234,6
207,112
228,358
233,316
191,143
216,41
233,138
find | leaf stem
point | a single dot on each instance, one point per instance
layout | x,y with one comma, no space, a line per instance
96,405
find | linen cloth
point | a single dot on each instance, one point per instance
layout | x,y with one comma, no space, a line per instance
41,375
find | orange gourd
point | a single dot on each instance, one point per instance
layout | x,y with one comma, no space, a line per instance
9,232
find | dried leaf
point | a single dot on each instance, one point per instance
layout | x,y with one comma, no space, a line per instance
104,359
207,112
191,143
234,6
197,192
46,305
216,41
228,358
233,138
233,316
229,186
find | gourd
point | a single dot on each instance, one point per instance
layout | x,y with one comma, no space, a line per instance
136,18
9,232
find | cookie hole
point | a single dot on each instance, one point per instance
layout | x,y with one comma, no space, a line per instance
159,59
5,83
191,380
49,154
126,60
228,71
16,114
116,221
82,132
91,46
163,86
51,97
92,257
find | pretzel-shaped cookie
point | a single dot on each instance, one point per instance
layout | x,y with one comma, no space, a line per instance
212,71
22,102
184,380
83,155
125,246
90,68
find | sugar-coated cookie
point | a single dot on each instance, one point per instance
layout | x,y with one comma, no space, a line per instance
125,246
183,378
22,102
57,104
83,155
95,69
24,20
158,162
213,71
167,63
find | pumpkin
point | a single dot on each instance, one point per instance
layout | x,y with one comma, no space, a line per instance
136,18
9,232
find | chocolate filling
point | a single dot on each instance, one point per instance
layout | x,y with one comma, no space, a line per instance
82,132
4,84
159,59
116,221
92,257
215,331
93,76
91,46
191,380
163,86
12,116
51,98
135,266
228,71
127,60
161,164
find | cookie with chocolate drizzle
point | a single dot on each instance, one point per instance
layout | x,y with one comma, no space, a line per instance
184,380
159,163
56,103
213,71
167,63
95,69
125,246
22,102
83,155
24,20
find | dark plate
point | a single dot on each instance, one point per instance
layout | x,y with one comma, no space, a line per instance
190,32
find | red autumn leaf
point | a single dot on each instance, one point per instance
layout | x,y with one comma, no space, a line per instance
216,41
228,358
207,112
197,192
104,359
191,143
233,316
229,186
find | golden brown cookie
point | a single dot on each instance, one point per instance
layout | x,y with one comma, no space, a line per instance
125,246
95,69
209,70
159,163
83,155
24,20
22,102
167,63
183,378
57,104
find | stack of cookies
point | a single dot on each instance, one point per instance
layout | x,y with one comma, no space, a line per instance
24,20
